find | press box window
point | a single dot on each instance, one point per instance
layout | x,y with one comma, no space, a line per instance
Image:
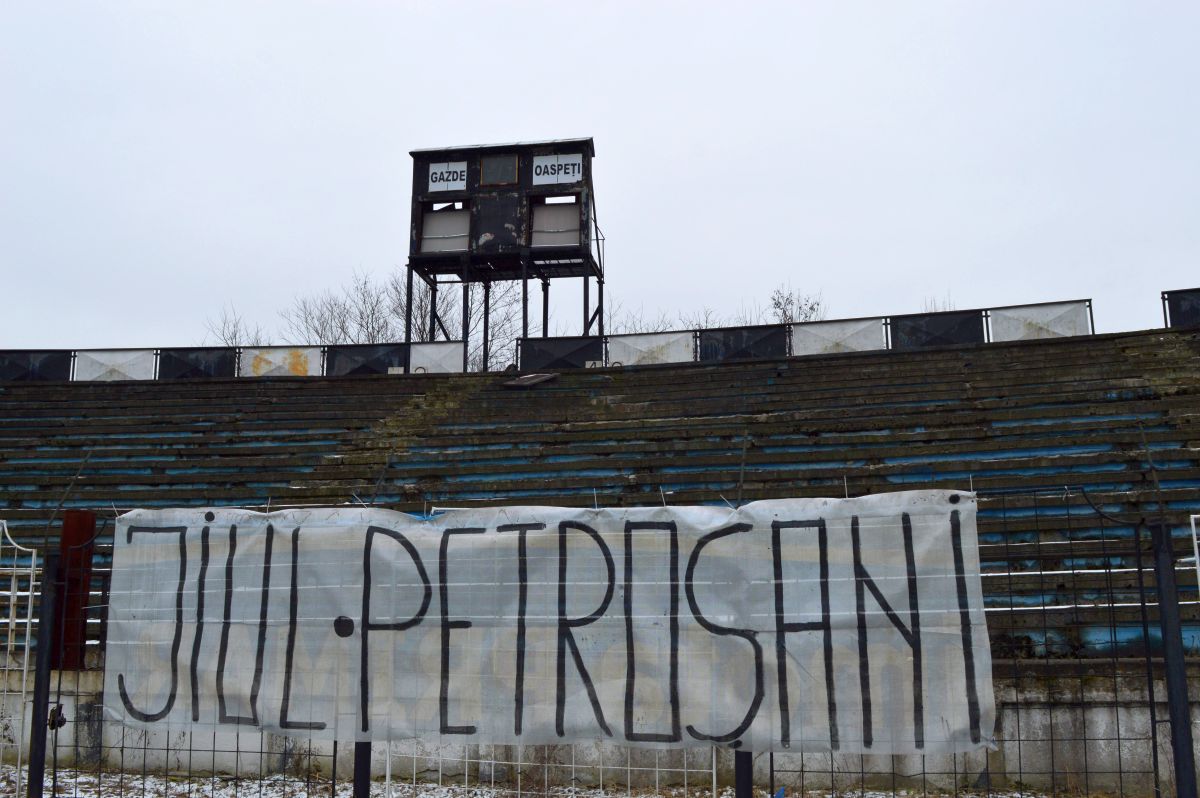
556,222
498,170
446,227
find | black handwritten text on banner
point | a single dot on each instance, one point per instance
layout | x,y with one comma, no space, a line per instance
818,624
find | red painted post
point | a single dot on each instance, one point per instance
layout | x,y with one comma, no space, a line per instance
75,547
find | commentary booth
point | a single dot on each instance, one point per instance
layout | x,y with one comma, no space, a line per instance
487,213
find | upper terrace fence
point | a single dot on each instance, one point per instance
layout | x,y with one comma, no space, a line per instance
220,362
1181,309
903,332
914,331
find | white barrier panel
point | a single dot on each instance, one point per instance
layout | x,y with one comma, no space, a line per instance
1040,321
441,357
102,365
829,337
280,361
854,625
646,348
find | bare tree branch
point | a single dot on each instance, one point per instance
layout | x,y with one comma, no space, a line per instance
789,306
703,319
619,320
935,305
230,329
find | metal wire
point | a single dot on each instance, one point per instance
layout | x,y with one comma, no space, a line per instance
1071,605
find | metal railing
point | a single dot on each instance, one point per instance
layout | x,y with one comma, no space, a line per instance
18,586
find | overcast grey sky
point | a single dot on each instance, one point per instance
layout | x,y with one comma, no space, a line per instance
159,160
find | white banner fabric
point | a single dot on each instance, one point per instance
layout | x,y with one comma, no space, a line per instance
280,361
829,337
104,365
646,348
440,357
1040,321
853,625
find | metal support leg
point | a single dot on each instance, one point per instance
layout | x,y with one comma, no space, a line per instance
487,312
524,298
545,308
1173,660
600,304
433,310
408,307
587,316
466,323
47,614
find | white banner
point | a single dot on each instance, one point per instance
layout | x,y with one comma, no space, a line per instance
646,348
853,625
1040,321
102,365
437,357
829,337
280,361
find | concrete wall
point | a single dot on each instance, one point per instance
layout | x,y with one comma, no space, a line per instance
1055,733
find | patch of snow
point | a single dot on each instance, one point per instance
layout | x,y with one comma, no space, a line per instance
109,784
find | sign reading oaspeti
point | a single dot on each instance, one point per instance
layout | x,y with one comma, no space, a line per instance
556,169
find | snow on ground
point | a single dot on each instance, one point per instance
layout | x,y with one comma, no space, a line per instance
121,785
115,785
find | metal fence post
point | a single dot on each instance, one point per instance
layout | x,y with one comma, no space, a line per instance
1178,706
362,770
743,774
47,614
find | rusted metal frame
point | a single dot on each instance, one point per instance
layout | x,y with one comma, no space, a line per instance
75,552
487,310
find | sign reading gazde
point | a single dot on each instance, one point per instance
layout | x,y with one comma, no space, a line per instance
450,176
849,625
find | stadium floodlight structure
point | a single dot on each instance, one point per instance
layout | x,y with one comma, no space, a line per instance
495,212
